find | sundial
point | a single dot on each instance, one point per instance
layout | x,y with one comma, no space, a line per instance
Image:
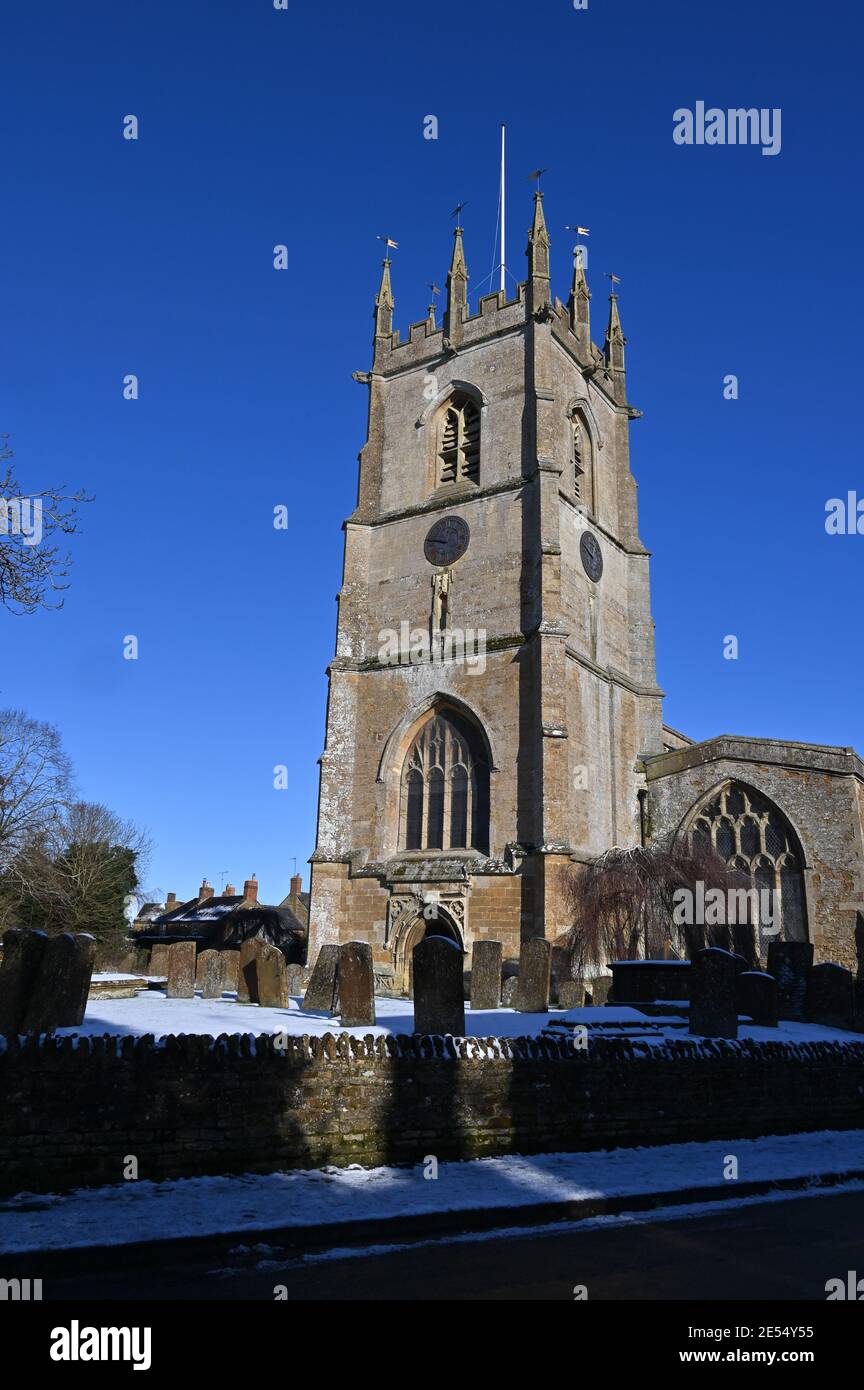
447,541
592,556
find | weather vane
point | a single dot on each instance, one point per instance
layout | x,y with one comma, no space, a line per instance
535,174
456,211
388,242
580,231
616,279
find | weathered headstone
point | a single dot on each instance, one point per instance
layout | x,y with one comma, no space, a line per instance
159,960
208,974
713,1001
744,944
486,975
272,972
323,992
571,994
181,970
508,991
57,987
356,984
295,979
831,995
72,1003
562,971
790,962
439,1004
757,997
599,987
247,971
535,965
22,960
230,970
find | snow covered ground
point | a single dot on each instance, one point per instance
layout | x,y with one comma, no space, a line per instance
153,1012
139,1211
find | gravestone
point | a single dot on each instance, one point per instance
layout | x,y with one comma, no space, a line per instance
159,960
181,970
22,958
757,996
323,992
599,987
272,977
713,1002
744,944
571,994
72,1003
831,996
486,965
508,991
57,988
535,965
562,972
247,971
357,984
230,970
295,979
208,974
790,963
439,1004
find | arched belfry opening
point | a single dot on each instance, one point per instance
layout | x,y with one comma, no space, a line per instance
747,830
444,791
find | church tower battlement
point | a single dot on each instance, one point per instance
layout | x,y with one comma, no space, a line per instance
493,688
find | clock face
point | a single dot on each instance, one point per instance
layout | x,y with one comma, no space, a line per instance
592,556
447,541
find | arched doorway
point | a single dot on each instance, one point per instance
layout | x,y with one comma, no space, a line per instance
432,921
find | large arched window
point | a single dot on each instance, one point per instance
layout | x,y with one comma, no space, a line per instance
756,840
581,459
458,458
445,787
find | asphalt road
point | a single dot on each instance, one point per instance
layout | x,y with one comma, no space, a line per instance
775,1250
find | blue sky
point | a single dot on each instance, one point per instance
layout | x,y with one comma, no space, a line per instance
305,127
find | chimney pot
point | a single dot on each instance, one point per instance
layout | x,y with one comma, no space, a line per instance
250,890
205,891
296,885
230,890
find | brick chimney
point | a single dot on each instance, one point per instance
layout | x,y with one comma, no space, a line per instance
205,892
171,902
296,886
230,890
250,890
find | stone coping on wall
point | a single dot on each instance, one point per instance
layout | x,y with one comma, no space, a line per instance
343,1047
809,757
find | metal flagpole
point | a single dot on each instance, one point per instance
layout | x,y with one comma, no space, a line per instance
503,244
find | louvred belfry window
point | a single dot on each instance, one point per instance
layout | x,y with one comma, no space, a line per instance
445,788
582,459
459,451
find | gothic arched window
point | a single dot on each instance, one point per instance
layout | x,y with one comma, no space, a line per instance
459,442
757,841
445,787
581,459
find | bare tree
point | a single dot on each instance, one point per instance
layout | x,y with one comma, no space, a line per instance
621,905
32,569
35,785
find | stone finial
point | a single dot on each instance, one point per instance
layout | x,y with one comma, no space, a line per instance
457,288
538,243
579,303
384,303
615,340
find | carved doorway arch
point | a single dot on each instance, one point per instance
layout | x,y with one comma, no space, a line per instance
442,923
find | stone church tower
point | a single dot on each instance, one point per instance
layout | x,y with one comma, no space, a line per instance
493,689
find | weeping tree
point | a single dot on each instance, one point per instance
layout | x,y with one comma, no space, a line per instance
622,906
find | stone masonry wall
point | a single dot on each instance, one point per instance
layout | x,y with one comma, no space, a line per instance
74,1109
